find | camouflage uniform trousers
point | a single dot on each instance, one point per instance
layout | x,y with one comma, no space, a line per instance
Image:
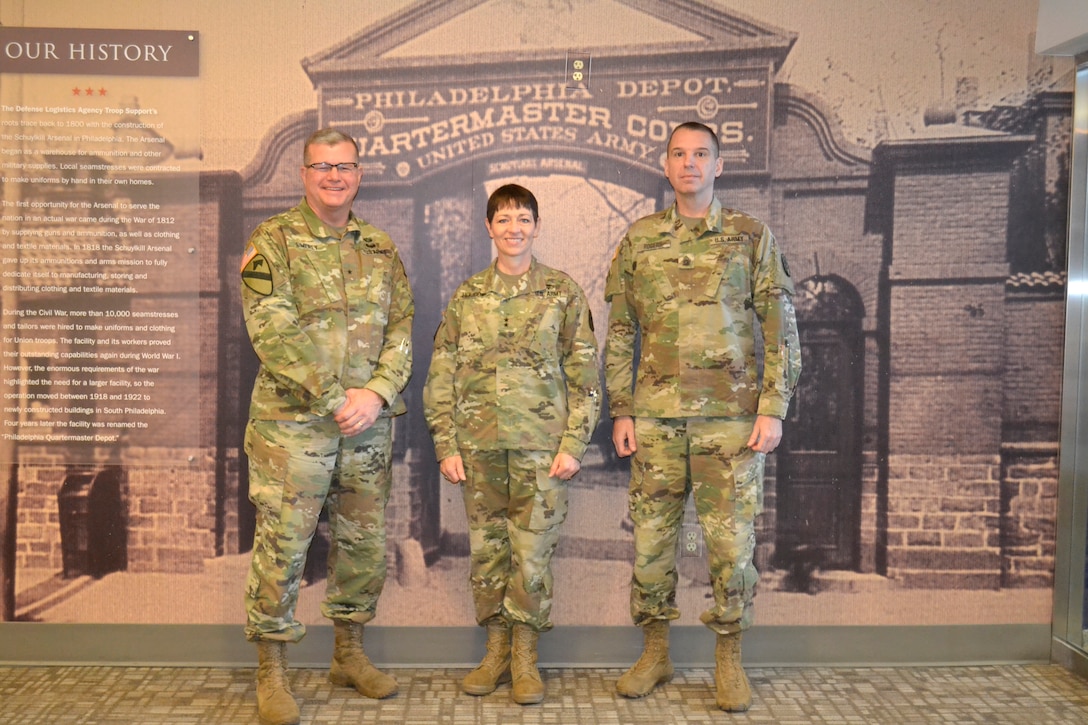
514,512
707,457
294,470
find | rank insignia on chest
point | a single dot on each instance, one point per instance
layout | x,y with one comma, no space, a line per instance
257,275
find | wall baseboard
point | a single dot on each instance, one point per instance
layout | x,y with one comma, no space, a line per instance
691,646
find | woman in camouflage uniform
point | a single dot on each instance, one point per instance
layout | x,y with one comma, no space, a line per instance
512,397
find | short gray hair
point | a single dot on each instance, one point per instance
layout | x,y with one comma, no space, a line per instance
327,137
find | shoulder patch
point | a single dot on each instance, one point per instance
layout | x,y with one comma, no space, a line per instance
257,275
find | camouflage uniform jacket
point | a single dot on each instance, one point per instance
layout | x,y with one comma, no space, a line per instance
692,298
514,368
324,314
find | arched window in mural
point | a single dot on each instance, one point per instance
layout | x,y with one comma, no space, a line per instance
819,462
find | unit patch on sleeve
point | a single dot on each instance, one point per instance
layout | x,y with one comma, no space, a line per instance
257,275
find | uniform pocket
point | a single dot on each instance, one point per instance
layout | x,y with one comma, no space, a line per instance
549,503
379,286
732,269
747,467
479,332
546,338
651,282
313,289
268,465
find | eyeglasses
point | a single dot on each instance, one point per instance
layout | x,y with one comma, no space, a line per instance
347,167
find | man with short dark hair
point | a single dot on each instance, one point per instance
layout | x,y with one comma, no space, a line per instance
686,288
329,313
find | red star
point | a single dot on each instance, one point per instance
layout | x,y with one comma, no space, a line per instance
101,91
75,91
90,91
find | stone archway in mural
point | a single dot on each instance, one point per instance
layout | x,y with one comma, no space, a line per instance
819,462
437,133
437,136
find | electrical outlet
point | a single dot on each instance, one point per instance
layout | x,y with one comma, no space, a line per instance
578,66
691,540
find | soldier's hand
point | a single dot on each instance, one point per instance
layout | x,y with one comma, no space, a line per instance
623,435
766,434
564,467
452,469
359,413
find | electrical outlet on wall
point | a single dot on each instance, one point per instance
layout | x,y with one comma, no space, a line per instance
691,540
576,72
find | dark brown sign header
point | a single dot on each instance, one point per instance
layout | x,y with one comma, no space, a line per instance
417,127
91,51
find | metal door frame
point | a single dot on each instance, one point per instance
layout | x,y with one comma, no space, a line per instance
1069,644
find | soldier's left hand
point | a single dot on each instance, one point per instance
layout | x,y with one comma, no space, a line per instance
564,467
452,469
766,434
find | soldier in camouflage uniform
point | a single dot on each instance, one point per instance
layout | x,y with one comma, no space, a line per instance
512,397
690,283
329,313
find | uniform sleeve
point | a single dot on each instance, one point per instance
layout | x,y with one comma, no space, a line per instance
772,295
619,362
286,352
580,368
438,392
394,366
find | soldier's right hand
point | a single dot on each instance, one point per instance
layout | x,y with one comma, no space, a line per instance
452,469
623,435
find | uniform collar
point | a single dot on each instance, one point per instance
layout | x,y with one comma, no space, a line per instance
712,220
534,278
320,229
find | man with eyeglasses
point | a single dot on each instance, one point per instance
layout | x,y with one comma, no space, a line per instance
329,313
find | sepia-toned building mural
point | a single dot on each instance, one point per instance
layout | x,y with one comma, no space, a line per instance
925,237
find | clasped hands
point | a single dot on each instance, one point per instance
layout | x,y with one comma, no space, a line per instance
359,412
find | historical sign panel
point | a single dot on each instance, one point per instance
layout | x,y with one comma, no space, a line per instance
417,126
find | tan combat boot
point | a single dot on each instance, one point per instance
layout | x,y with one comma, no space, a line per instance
734,693
352,668
528,687
275,703
653,667
495,666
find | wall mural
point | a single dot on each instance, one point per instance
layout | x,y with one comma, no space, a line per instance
917,190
